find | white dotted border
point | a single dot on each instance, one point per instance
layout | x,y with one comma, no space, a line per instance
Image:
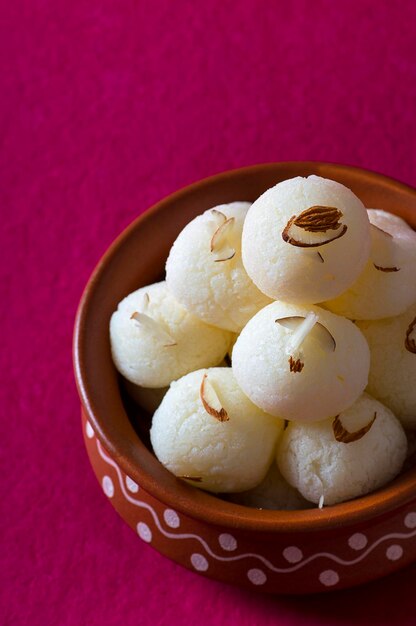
292,554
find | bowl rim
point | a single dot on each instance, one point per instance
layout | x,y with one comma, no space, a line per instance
199,504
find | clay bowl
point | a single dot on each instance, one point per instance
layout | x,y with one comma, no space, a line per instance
275,551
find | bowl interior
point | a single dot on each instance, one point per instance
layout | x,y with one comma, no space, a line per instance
137,258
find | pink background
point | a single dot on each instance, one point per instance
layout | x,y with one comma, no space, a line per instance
106,107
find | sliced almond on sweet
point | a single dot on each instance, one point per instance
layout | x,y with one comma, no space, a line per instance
195,479
154,327
302,326
386,269
145,302
211,402
342,435
380,230
219,238
383,250
295,366
226,255
410,340
310,228
218,215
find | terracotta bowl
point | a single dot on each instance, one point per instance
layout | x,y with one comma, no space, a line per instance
276,551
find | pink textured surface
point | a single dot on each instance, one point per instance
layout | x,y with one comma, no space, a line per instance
106,107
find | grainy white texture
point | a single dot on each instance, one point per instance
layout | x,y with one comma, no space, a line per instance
295,274
274,493
311,459
377,294
392,378
143,358
234,455
219,292
330,381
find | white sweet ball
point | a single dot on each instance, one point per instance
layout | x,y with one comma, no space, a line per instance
273,493
315,212
307,381
219,456
319,466
205,272
392,378
155,340
387,285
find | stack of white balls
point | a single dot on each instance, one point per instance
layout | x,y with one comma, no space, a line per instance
289,424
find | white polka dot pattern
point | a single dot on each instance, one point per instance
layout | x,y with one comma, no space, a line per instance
292,554
358,541
256,576
227,542
199,562
171,518
144,532
394,552
108,487
131,485
329,577
410,520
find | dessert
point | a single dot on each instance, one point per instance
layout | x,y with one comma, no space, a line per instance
305,240
387,285
301,362
207,432
392,374
344,457
205,272
155,340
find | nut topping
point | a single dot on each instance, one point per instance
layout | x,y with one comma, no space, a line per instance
302,326
386,269
342,435
219,241
154,327
410,341
211,402
295,366
316,219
